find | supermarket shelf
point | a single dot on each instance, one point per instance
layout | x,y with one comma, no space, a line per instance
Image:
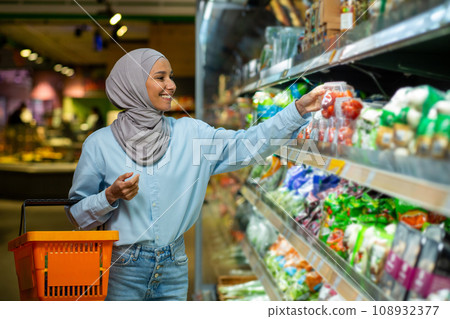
423,27
336,271
420,191
261,272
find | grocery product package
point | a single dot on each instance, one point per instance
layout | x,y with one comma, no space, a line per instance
394,259
347,110
408,264
260,233
367,126
440,144
369,248
432,277
410,214
251,290
334,90
271,179
385,135
425,133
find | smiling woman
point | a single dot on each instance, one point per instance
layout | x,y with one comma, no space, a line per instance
163,174
160,85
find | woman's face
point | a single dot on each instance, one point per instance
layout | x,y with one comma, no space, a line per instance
160,85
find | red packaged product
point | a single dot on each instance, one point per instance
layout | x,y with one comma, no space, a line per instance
333,91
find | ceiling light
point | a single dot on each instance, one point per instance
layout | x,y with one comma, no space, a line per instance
122,31
70,72
64,70
33,56
116,18
57,67
39,60
25,53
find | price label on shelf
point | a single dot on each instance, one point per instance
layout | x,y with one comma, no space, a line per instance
332,54
336,166
284,73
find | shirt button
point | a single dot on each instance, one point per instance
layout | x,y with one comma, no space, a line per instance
154,204
157,267
156,275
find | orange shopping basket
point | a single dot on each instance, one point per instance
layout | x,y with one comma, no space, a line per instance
61,265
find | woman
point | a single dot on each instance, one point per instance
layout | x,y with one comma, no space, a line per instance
146,174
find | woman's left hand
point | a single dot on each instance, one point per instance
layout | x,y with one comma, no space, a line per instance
310,102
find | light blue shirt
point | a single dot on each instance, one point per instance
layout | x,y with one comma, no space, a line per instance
171,192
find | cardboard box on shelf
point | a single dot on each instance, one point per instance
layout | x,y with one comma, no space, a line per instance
330,13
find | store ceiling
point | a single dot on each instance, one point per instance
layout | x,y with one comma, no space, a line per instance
49,27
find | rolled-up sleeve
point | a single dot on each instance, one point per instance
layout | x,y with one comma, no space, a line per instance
229,150
93,209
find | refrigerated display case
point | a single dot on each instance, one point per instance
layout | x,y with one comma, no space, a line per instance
402,44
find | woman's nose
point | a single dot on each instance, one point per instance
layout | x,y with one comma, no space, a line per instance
171,85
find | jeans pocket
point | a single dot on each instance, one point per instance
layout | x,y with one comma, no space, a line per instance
121,258
181,260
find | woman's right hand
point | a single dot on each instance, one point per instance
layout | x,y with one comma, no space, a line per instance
123,189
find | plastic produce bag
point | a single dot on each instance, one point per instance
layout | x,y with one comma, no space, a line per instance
440,148
412,215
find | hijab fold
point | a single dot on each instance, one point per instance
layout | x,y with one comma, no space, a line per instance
141,130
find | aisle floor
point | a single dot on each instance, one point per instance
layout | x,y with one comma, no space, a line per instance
54,218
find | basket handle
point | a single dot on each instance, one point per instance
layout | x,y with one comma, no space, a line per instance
42,202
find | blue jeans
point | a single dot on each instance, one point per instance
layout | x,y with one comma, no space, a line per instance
140,272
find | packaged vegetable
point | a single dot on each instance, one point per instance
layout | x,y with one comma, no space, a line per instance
331,131
425,133
366,128
394,259
379,251
423,98
412,215
298,90
326,293
351,108
336,242
385,135
432,276
404,128
257,171
333,91
274,167
283,99
347,110
314,281
322,129
440,148
298,290
407,268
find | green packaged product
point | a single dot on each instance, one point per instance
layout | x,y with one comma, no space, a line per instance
414,216
387,118
386,211
424,97
405,124
366,129
385,134
283,99
379,251
424,140
441,138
